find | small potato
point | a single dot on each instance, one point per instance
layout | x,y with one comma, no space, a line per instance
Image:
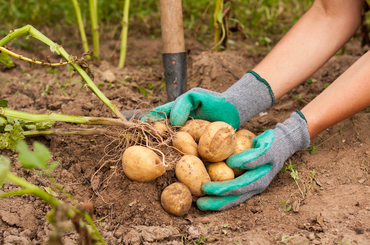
176,199
185,143
219,171
191,172
160,126
142,164
244,140
218,142
195,128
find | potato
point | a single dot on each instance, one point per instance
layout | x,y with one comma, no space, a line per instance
238,171
244,140
195,128
219,171
185,143
217,142
176,199
160,126
191,172
142,164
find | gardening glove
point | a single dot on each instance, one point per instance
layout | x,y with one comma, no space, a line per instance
245,99
264,160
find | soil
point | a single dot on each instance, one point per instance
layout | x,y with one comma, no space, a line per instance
335,208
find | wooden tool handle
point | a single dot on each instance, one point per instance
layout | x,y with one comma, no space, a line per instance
172,26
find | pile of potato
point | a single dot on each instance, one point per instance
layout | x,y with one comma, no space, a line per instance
206,147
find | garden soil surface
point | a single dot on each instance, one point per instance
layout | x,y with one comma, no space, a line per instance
333,208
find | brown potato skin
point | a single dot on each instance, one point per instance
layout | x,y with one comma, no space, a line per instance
176,199
142,164
219,171
160,126
217,142
185,143
244,141
195,128
191,172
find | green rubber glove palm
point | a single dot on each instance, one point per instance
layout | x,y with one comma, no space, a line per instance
264,161
246,98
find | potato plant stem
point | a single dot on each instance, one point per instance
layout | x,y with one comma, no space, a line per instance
77,131
80,25
33,60
218,8
124,34
30,30
35,190
93,4
54,117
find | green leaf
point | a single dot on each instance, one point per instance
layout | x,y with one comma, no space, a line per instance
4,103
3,121
8,128
311,80
30,127
6,60
37,159
289,208
9,140
150,85
52,166
294,174
282,204
143,90
4,169
42,153
44,125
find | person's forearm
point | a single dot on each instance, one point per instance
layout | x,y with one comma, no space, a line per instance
346,96
317,36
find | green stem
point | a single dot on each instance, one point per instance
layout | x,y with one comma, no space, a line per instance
54,117
28,29
91,222
94,25
218,8
80,25
35,190
16,193
124,34
32,189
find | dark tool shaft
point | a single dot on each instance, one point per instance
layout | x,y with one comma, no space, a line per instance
175,74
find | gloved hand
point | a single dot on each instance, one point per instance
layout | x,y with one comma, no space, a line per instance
264,160
245,99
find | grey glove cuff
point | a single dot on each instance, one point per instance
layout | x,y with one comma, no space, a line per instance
292,135
250,95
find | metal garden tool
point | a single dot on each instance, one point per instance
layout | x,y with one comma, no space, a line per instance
174,55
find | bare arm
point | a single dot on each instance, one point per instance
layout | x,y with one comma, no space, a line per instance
316,37
346,96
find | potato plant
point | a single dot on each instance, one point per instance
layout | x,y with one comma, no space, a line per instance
80,215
